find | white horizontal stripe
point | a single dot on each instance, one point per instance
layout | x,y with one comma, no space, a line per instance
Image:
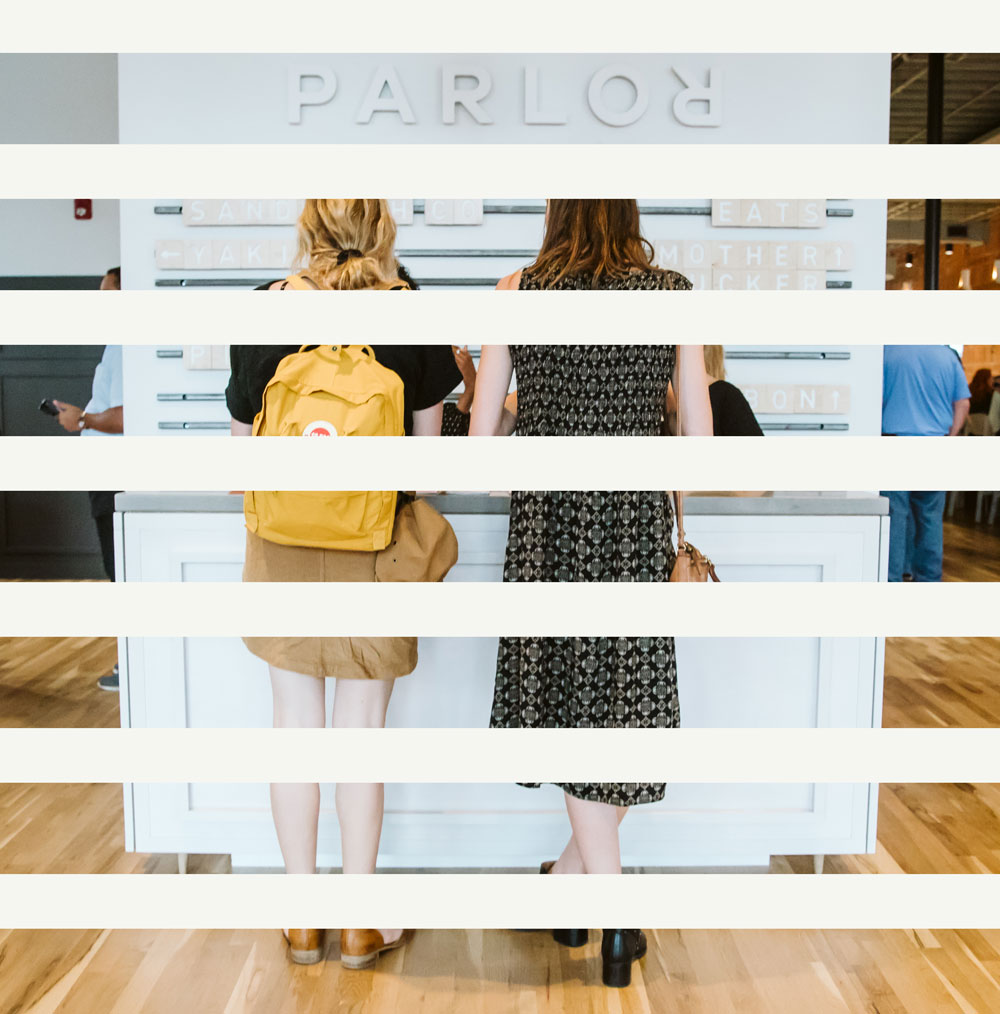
474,170
461,609
687,901
500,755
830,317
525,26
561,463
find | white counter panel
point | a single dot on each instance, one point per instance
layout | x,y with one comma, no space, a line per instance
209,547
724,683
456,826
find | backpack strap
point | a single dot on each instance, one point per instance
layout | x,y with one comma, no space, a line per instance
300,282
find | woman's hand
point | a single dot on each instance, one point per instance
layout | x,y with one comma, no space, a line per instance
463,360
468,370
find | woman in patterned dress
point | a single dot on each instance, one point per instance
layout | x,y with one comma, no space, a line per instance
606,390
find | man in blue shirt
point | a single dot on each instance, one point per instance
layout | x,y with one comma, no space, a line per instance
924,394
103,416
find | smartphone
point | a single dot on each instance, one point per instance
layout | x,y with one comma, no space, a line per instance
48,407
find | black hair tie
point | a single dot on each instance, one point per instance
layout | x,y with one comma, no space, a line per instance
345,255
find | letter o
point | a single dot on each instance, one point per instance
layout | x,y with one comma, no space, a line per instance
595,95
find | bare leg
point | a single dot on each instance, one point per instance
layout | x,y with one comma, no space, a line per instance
361,704
595,831
299,703
571,861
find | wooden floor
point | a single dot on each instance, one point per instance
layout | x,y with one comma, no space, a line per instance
498,972
922,829
51,682
949,682
971,551
946,682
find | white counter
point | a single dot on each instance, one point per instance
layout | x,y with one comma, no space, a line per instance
724,682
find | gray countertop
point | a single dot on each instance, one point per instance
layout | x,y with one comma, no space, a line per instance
776,503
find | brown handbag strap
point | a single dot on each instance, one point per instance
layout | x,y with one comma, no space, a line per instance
677,494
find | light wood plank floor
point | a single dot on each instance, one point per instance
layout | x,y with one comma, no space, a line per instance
923,829
971,551
497,972
929,682
51,682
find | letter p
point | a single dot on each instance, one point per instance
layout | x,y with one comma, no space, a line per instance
298,97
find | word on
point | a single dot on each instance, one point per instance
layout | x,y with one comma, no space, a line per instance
800,399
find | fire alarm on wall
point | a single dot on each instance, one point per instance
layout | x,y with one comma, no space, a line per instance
83,207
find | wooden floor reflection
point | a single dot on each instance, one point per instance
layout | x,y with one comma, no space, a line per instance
930,682
498,972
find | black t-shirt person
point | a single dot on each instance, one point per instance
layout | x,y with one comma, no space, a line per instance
732,415
428,373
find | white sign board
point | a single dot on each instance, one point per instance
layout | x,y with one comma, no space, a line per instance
691,98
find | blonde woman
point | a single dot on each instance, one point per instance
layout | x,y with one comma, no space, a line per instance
343,244
732,415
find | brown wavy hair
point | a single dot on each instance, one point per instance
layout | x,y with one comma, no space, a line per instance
598,237
981,385
348,244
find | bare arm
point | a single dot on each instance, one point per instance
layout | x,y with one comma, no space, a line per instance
961,413
111,420
509,421
492,383
691,385
240,429
427,421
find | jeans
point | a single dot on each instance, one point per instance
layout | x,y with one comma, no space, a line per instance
917,520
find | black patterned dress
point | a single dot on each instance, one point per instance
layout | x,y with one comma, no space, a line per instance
591,682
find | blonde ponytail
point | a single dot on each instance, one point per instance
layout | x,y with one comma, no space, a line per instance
348,244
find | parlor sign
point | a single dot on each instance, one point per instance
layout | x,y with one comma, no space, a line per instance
505,98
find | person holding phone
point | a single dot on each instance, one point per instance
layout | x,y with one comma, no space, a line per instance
103,415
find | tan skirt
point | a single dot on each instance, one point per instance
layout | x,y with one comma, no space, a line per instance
358,658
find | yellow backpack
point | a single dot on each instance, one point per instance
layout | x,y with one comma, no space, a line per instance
330,391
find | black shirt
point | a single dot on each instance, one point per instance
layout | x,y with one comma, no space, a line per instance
732,415
428,373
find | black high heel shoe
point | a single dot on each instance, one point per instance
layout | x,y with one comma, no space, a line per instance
566,937
619,948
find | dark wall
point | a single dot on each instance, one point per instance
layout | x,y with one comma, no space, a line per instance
45,535
49,282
